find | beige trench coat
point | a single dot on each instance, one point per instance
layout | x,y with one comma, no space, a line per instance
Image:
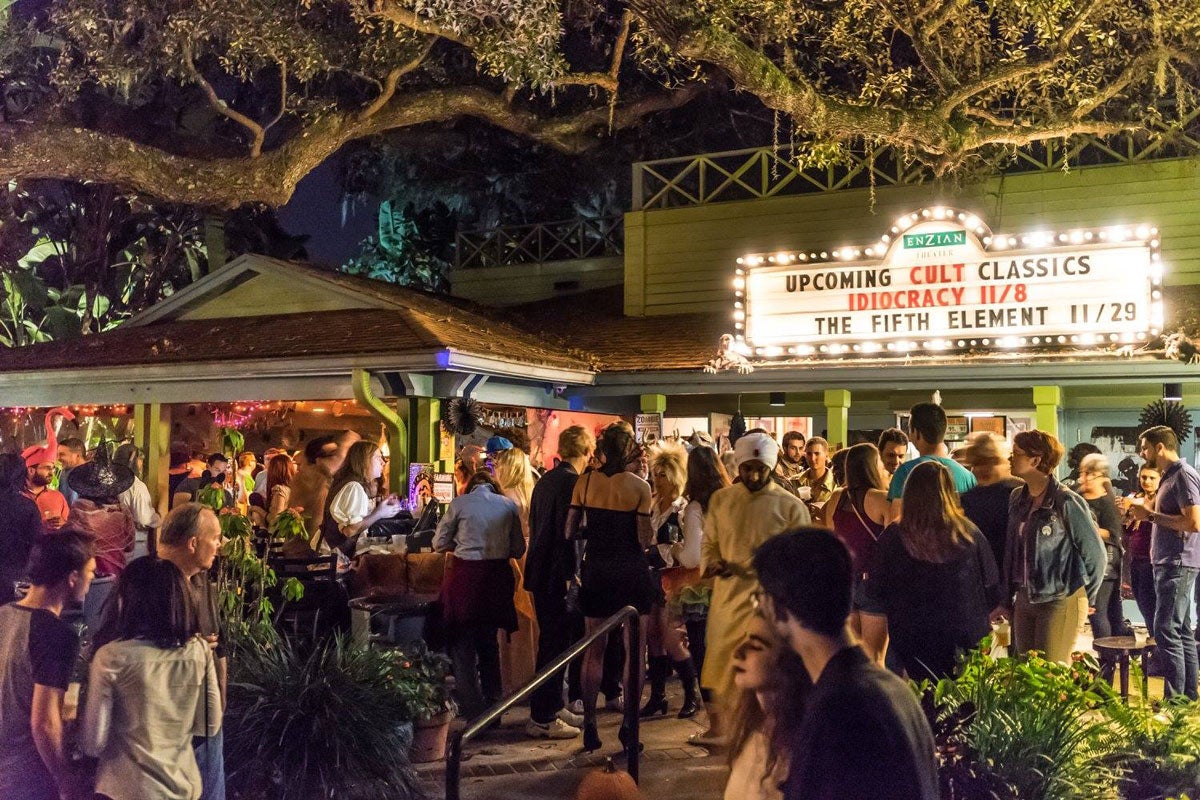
736,524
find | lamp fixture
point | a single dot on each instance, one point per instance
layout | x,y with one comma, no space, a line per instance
778,399
1173,391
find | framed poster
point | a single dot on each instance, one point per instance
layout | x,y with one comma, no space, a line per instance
648,428
956,429
997,425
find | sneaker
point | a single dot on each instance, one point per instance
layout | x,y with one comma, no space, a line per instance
570,718
557,729
576,708
615,703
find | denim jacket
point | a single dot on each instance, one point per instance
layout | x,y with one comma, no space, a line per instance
1064,550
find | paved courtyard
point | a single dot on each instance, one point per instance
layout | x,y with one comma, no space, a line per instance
506,765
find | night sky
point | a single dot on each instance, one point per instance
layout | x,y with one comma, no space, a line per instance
315,210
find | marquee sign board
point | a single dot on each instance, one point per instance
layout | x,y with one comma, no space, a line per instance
939,280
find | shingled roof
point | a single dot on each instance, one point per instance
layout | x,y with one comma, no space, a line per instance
396,320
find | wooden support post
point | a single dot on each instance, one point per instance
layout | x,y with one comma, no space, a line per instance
152,435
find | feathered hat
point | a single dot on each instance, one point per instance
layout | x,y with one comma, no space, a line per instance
37,454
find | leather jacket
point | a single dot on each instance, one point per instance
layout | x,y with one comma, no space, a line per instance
1058,551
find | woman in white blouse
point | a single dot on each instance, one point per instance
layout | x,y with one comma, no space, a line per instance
352,507
668,475
152,686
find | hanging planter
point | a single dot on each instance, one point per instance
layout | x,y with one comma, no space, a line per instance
461,415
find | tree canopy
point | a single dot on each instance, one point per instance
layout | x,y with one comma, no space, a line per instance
223,102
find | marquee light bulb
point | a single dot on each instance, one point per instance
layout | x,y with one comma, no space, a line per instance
741,260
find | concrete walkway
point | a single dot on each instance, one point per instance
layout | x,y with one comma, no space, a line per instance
506,765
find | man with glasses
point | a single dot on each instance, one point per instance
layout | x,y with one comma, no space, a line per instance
863,734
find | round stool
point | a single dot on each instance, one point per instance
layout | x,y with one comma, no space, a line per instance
1120,648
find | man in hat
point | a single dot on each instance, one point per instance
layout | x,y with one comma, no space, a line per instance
40,461
51,503
739,519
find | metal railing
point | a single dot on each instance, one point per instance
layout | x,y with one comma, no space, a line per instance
564,240
626,618
771,171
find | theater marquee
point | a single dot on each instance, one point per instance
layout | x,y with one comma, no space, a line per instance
939,280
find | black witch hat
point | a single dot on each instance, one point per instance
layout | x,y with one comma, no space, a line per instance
100,479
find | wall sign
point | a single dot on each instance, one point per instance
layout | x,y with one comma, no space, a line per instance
940,280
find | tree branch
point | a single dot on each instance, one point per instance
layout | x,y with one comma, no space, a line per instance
54,150
257,132
391,11
605,80
388,88
1001,76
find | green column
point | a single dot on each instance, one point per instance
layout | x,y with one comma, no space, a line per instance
837,417
393,426
152,434
424,430
1048,401
653,403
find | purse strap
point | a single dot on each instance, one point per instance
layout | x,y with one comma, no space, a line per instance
853,507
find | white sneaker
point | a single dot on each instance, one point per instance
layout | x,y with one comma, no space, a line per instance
615,703
576,708
557,729
570,718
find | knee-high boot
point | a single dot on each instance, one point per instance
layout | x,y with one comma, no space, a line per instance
687,677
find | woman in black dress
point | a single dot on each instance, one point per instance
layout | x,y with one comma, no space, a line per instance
610,517
934,577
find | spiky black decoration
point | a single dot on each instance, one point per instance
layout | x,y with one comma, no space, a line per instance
737,428
1169,413
461,415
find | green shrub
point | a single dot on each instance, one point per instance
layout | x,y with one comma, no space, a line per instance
318,723
1030,729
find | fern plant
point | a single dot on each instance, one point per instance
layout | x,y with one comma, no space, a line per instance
1033,729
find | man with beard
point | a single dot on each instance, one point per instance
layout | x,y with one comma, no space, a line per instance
791,458
739,519
51,503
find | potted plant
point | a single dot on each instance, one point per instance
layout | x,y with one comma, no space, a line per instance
419,675
305,722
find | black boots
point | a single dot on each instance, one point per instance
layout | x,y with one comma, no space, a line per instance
687,677
660,668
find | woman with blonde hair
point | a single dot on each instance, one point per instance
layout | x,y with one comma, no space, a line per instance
667,556
934,578
518,652
1096,489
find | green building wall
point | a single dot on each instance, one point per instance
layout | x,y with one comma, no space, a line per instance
681,260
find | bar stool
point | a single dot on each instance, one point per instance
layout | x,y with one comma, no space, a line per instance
1121,648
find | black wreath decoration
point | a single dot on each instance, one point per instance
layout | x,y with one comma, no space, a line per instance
737,428
461,415
1169,413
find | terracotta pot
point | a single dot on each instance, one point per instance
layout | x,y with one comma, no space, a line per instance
429,738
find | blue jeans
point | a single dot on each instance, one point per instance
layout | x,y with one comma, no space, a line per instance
210,756
1174,587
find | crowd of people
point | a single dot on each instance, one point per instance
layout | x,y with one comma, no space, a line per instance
790,589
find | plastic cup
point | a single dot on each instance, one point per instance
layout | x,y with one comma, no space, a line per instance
400,543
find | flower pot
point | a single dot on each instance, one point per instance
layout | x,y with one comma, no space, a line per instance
429,738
